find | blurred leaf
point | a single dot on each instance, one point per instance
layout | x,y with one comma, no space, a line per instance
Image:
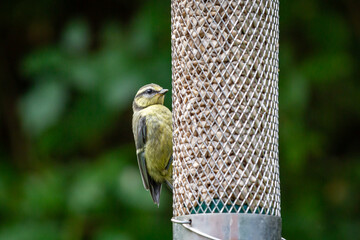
131,190
76,37
85,122
295,92
46,61
150,29
42,106
118,94
44,194
329,32
112,35
83,75
111,234
90,191
30,231
325,68
87,194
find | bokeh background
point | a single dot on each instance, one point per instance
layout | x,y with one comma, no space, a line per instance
68,73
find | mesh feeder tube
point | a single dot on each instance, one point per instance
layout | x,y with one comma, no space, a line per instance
225,116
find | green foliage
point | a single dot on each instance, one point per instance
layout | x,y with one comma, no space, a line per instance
81,180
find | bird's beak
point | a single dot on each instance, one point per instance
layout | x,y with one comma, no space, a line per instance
163,91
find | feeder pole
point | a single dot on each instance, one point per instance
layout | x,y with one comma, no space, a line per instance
225,119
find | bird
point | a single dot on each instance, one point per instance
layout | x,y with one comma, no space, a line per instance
152,129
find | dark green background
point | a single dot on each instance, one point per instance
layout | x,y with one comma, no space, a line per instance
68,73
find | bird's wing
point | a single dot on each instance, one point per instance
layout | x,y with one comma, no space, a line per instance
169,182
140,151
169,163
149,183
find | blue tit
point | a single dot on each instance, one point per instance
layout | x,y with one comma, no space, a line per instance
152,128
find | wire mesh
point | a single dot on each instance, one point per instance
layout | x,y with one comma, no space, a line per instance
225,106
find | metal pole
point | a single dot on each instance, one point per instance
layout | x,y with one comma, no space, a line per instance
225,114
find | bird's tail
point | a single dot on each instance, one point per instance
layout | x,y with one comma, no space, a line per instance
155,190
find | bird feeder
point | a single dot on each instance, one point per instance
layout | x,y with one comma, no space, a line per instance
225,119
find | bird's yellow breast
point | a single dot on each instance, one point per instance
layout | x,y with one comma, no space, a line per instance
158,147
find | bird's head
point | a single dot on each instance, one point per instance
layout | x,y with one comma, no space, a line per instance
149,95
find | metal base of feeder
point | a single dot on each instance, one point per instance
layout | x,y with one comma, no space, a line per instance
227,226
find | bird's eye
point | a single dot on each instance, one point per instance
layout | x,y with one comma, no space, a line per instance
149,91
